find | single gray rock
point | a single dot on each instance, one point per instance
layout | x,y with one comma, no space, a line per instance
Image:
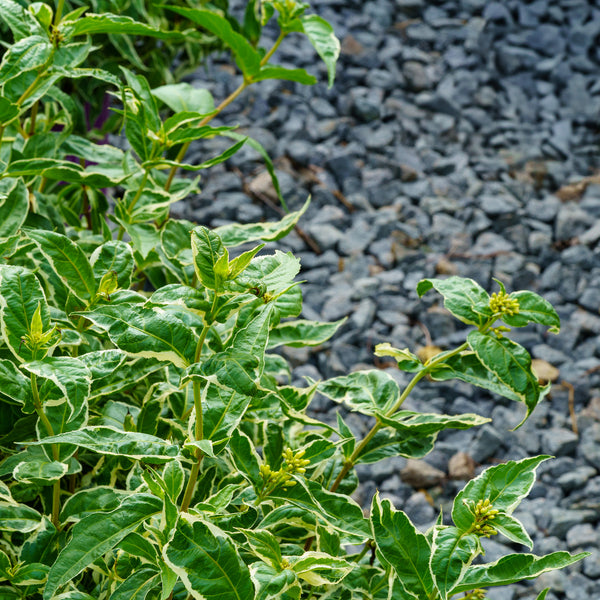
582,536
559,442
487,442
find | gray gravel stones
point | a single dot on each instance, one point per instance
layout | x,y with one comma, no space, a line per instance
459,138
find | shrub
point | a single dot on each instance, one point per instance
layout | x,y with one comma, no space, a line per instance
151,447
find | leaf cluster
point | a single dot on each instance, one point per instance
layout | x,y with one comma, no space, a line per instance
151,444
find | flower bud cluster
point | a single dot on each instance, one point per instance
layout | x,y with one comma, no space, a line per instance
501,303
293,463
484,513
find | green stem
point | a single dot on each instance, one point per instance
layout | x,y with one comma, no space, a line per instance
37,403
1,134
182,151
199,426
378,425
34,112
245,83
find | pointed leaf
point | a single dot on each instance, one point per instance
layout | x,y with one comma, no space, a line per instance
95,535
464,298
21,22
274,584
321,35
403,547
246,57
452,554
147,332
68,261
413,423
407,361
182,97
14,204
367,392
27,54
302,333
318,568
512,529
107,440
18,517
20,296
207,562
283,73
137,585
503,485
514,567
211,258
114,256
533,309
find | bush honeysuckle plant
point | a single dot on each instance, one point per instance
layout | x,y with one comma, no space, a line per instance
151,444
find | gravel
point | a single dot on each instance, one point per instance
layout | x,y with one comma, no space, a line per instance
460,137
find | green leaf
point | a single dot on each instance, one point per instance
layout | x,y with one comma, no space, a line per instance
511,364
64,392
512,529
146,332
68,261
211,258
246,57
18,517
137,545
207,562
276,271
367,392
245,457
413,423
319,568
222,411
533,309
543,594
20,296
114,256
30,574
89,501
403,547
407,361
321,35
514,567
137,585
14,205
388,442
20,21
283,73
503,485
452,554
265,545
464,298
274,584
108,440
40,470
95,535
8,111
27,54
338,511
182,97
110,23
14,385
302,333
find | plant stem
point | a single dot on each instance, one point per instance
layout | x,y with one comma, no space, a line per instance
34,112
199,426
55,452
245,83
378,425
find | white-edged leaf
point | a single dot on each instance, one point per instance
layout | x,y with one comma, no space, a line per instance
207,561
95,535
108,440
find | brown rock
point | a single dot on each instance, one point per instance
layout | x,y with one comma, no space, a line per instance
544,371
461,466
419,474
